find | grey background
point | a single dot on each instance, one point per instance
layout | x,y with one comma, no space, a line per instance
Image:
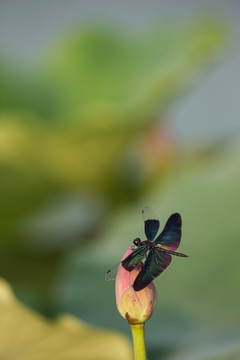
27,27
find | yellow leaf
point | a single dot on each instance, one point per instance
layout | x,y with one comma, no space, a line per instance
26,335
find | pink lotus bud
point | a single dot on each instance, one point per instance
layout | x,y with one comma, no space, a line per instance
135,306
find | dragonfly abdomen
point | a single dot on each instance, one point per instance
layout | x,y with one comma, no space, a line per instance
171,252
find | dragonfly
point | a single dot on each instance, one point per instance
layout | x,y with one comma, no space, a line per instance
154,253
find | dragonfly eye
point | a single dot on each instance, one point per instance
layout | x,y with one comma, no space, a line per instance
137,242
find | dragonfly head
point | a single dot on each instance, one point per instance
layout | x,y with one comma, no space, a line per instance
137,242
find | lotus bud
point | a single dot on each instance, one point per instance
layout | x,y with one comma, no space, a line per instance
135,306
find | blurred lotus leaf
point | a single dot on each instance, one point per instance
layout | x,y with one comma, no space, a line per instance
109,78
198,297
228,351
27,335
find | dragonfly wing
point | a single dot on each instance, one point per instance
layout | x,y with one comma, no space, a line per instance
129,263
112,273
155,264
171,235
151,223
133,259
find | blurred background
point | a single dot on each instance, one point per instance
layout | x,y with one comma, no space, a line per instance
106,107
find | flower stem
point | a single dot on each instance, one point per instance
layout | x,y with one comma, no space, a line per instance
138,342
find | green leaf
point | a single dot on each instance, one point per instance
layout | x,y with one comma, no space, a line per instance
102,73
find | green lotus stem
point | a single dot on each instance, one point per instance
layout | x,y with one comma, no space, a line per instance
139,342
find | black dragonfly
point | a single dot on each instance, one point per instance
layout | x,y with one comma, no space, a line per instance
155,252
